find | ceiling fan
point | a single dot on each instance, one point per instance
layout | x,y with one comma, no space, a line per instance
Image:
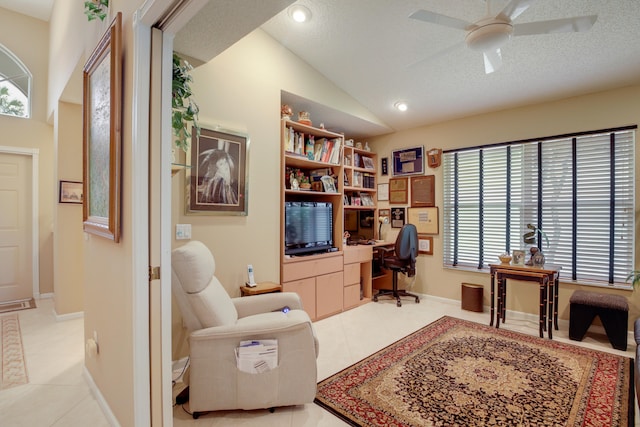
489,34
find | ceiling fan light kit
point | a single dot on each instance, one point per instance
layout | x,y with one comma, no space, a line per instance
489,37
489,34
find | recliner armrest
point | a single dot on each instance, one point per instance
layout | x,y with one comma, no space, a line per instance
264,303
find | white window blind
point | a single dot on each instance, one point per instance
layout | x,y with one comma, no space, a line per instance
579,189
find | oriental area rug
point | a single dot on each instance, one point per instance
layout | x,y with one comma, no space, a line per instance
14,371
454,372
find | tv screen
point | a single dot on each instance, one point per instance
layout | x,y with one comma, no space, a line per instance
308,227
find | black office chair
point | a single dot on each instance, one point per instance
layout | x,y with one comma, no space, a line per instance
402,261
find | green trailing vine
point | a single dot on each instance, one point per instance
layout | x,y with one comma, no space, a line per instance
185,110
96,9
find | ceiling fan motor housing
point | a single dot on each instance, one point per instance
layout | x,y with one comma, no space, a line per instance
489,36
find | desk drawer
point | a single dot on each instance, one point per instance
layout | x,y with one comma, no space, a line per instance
359,253
351,274
311,268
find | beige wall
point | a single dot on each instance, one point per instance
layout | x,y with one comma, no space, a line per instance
27,39
108,272
608,109
235,94
68,245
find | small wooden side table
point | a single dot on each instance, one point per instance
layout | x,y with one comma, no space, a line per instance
260,288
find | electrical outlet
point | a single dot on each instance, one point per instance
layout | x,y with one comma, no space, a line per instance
183,231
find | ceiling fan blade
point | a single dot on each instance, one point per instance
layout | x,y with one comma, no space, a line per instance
492,61
515,8
436,18
436,55
566,25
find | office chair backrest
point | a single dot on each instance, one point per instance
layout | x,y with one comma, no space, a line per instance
407,244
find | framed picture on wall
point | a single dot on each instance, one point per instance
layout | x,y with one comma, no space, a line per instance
423,191
102,138
398,191
217,178
408,161
425,244
425,219
70,192
397,217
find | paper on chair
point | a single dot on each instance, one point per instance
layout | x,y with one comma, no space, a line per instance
257,356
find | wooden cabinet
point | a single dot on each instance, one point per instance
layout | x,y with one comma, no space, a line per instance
319,282
357,275
360,191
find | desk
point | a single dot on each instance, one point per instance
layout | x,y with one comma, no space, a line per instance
382,279
547,277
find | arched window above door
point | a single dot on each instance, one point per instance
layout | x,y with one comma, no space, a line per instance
15,85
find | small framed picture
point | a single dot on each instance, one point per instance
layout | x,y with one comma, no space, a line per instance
367,162
383,192
329,184
518,257
425,244
70,192
397,217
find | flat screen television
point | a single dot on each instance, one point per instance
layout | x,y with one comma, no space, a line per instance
308,227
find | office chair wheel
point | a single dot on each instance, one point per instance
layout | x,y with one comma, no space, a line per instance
417,300
399,303
375,298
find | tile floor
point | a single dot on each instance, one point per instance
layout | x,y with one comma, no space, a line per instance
57,394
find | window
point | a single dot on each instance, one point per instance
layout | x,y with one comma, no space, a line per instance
15,85
578,188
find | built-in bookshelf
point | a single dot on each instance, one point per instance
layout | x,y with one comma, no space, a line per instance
359,180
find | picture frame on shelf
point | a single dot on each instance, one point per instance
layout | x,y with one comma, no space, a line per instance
425,244
329,184
518,257
425,219
217,179
366,199
423,192
102,137
397,217
398,191
70,192
367,163
408,161
383,192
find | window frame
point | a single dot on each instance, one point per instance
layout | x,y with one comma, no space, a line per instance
528,206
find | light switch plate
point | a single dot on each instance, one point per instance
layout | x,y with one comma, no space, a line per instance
183,231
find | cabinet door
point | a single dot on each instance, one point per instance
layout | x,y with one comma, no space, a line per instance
329,294
306,288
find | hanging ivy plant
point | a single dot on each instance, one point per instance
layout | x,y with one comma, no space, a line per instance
185,110
96,9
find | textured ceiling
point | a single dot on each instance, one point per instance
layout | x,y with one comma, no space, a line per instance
371,50
375,53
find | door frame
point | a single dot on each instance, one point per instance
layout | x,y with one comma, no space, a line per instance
34,153
147,16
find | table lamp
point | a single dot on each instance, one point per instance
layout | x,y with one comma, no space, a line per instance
382,220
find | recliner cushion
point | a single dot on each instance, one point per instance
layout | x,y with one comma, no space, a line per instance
194,267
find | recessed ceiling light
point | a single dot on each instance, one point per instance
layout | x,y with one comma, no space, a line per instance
300,13
401,106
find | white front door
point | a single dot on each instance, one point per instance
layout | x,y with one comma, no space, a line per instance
16,274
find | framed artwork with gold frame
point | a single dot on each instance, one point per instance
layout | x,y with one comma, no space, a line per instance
102,138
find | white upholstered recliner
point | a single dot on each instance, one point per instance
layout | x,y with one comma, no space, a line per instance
217,323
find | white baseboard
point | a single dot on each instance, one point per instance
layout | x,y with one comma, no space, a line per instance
106,410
